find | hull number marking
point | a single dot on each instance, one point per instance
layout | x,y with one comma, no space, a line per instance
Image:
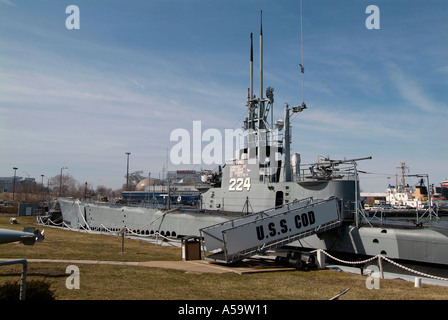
239,184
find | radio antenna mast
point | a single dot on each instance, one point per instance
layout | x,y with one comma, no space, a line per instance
302,69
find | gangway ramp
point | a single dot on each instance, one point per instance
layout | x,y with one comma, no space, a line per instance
240,238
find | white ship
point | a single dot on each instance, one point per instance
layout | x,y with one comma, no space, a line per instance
403,196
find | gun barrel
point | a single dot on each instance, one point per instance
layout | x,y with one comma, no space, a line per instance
353,160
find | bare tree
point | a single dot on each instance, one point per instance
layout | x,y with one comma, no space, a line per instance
103,191
68,188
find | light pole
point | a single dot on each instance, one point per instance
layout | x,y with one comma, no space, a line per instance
48,187
60,181
14,184
127,172
42,187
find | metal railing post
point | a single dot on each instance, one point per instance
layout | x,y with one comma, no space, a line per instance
23,280
24,263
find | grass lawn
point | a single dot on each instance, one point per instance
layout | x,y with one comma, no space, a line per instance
112,282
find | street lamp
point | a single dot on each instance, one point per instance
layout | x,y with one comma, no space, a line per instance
127,172
60,181
14,185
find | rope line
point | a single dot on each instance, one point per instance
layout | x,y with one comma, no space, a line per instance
349,262
379,256
103,228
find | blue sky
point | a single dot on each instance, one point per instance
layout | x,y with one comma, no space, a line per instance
137,70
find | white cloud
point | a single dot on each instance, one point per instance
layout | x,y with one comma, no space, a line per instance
8,2
412,91
443,69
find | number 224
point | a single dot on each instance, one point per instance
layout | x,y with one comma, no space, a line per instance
238,184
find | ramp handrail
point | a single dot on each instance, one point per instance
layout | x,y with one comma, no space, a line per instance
240,238
262,213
